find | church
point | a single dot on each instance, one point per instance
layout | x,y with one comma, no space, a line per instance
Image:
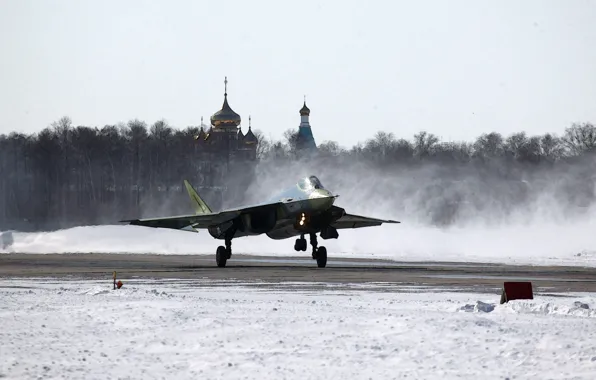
305,140
224,137
225,157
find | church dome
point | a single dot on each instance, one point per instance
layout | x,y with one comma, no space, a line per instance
250,137
201,135
225,117
304,111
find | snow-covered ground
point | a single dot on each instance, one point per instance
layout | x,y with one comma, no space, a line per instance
553,244
199,330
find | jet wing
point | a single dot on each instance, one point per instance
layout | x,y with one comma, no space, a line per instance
199,221
182,221
357,221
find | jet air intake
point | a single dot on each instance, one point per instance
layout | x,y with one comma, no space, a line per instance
259,222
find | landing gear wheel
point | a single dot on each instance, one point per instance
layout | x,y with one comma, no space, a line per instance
321,257
221,256
300,244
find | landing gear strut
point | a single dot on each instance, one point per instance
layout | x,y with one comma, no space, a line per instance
320,253
314,243
223,254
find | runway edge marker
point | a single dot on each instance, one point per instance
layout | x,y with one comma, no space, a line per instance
117,285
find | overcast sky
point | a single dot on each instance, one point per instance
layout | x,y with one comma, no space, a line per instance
454,68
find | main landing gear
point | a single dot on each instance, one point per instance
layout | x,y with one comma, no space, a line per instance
223,254
319,254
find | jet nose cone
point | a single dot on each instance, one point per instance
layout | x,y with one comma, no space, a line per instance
322,198
321,193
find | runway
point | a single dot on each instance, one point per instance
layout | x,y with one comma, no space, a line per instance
300,271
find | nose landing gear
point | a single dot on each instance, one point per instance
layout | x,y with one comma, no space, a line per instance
321,257
318,253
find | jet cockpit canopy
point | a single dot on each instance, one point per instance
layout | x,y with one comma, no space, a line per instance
310,183
314,181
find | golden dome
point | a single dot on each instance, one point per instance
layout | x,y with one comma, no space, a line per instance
225,117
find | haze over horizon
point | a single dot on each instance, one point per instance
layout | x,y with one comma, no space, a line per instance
456,69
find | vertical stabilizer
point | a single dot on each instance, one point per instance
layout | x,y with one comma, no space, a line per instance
199,204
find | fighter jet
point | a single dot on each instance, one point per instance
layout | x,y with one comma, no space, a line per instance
304,209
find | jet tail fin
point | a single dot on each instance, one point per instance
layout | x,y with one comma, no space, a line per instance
199,204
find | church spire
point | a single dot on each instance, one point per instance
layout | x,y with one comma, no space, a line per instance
250,137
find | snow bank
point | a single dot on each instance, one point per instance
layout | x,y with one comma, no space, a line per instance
576,308
190,329
6,240
518,244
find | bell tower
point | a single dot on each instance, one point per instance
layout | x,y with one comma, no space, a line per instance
305,140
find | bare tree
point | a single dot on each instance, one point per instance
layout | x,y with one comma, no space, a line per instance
552,147
580,138
291,141
330,148
424,144
264,145
489,146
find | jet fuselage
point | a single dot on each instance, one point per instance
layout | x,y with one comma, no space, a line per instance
301,209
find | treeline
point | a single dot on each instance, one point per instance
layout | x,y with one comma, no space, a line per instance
384,148
495,179
69,175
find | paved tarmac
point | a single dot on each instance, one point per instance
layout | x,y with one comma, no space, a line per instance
270,271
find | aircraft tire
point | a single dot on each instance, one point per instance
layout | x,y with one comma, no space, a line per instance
321,257
221,256
300,245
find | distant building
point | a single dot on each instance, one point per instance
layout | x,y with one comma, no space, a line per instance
224,155
224,138
304,140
